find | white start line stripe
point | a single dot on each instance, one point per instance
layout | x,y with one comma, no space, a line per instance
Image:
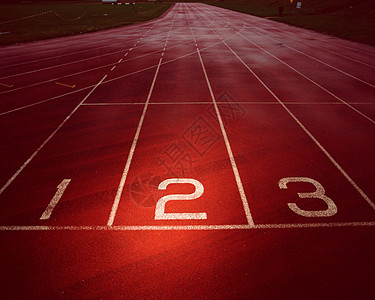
186,227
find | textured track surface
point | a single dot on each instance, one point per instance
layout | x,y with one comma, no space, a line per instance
273,125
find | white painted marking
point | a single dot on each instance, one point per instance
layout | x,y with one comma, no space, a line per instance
71,49
60,191
111,80
336,164
160,213
134,144
318,194
227,144
61,65
334,52
157,103
229,150
113,68
48,138
131,153
320,61
351,181
104,66
63,55
120,60
188,227
312,81
357,50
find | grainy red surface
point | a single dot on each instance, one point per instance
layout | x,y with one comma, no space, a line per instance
236,102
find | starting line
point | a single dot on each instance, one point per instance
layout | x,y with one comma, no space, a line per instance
186,227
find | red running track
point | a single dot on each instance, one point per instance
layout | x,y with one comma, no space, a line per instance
205,154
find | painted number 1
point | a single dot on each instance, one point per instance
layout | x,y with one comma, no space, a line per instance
318,194
60,191
160,205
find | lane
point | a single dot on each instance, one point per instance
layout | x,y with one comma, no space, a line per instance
354,49
89,150
41,121
68,45
186,144
203,33
131,131
354,132
61,71
22,133
189,84
81,164
265,186
342,87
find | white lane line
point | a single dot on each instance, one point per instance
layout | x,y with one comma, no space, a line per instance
120,60
265,26
336,164
204,102
186,227
63,64
154,103
227,144
131,153
334,52
49,138
43,101
99,39
85,71
125,172
113,68
229,150
60,191
309,79
114,103
113,79
69,47
80,90
318,60
62,55
312,81
357,50
319,37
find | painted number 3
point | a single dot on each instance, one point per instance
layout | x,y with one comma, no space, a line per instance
318,194
160,205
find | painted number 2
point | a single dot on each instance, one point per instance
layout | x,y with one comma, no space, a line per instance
160,205
318,194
